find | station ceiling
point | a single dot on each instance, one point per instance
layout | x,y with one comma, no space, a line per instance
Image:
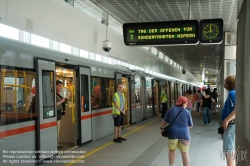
196,59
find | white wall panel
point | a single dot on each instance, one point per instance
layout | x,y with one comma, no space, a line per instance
57,20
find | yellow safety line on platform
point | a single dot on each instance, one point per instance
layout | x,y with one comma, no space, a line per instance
107,144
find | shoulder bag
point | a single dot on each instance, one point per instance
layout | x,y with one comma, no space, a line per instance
167,129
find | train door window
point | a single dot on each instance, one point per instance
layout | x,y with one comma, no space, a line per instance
125,91
109,91
48,94
102,92
85,93
138,89
96,96
17,92
67,77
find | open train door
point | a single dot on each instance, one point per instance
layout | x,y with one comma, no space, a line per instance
45,104
85,105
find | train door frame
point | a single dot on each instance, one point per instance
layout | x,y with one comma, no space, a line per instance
131,80
170,94
83,125
46,139
143,94
131,110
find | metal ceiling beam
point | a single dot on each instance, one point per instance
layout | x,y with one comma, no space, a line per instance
199,6
178,5
210,9
169,8
107,7
161,10
152,10
134,10
144,11
125,10
221,7
230,14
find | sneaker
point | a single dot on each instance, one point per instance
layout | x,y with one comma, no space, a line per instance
117,140
122,139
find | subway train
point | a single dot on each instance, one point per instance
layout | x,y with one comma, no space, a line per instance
28,116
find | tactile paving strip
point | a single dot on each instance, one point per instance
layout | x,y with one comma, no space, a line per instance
149,155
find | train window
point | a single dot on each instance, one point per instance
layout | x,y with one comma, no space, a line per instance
102,91
17,96
48,94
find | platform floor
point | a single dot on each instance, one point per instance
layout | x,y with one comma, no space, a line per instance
145,146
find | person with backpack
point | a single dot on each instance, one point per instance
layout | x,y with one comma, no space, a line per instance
206,107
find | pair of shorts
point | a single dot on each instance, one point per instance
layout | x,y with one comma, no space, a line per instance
229,139
119,120
174,143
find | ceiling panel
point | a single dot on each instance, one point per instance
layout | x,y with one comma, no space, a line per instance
198,58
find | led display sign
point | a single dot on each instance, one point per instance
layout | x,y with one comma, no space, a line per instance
161,33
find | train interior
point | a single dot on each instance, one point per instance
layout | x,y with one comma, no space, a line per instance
68,127
17,93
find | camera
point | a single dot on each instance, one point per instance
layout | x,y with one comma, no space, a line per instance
184,71
106,45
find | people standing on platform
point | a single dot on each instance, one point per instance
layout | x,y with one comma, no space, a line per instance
179,135
190,102
164,101
200,95
205,106
118,112
214,104
60,104
228,120
196,99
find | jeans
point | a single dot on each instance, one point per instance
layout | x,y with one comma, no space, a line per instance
206,115
198,107
164,109
229,139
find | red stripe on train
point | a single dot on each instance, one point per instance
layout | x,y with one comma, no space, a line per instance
48,125
96,114
22,130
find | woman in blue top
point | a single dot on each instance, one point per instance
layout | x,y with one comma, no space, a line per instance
227,117
179,135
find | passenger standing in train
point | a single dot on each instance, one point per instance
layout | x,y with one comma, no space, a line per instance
228,119
164,101
118,113
59,103
190,102
179,135
206,107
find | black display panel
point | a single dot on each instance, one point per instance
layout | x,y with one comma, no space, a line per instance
161,33
211,31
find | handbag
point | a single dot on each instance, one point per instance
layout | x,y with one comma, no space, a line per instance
167,129
63,105
220,130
